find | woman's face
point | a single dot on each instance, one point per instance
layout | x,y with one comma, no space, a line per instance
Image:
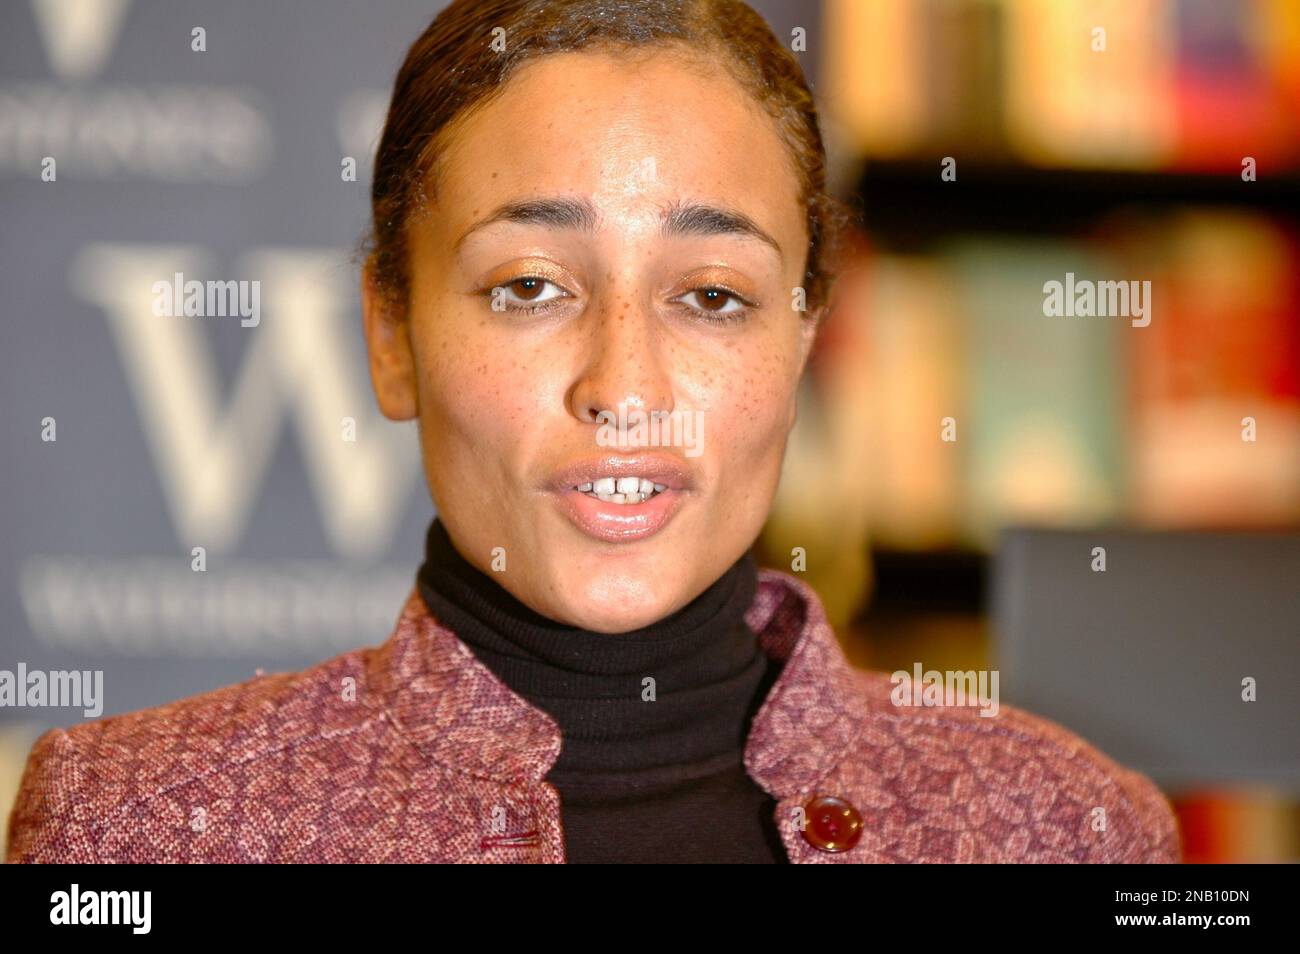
609,236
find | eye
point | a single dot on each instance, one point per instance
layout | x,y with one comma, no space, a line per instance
717,304
526,293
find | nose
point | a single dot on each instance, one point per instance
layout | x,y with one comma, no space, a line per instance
625,365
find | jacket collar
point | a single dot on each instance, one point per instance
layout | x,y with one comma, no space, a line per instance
459,715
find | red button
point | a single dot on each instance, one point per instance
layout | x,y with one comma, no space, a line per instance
831,824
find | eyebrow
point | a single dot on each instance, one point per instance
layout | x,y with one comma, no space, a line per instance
578,214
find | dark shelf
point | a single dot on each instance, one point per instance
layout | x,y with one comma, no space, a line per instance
946,581
906,206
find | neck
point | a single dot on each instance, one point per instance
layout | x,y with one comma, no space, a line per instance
679,692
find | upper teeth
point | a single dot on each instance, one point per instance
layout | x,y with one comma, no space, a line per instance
621,489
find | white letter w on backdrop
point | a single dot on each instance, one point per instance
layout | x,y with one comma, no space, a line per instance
211,458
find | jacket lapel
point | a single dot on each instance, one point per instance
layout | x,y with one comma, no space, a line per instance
454,709
813,712
812,721
462,717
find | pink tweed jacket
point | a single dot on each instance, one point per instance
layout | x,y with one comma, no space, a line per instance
413,751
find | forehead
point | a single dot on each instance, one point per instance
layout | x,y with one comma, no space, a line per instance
631,133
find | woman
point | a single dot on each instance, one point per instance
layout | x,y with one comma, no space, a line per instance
599,258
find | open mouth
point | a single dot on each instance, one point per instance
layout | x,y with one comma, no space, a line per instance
619,499
621,490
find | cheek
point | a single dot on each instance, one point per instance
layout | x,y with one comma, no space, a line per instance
474,387
747,393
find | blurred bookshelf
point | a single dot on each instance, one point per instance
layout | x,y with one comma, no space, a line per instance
1127,162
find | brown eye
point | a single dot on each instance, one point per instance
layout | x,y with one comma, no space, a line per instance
528,293
713,299
716,304
528,289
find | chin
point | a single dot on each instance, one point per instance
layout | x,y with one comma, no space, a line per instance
614,603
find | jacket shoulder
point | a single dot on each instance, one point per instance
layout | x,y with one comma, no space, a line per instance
1006,786
79,781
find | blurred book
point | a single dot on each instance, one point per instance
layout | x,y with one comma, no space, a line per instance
1214,432
1091,84
1185,85
1238,825
917,347
1044,396
1231,97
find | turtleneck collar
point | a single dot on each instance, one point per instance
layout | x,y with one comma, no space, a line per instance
710,674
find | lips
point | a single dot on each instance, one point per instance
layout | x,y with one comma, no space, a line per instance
656,468
612,522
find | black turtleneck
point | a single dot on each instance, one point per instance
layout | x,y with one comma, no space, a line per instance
639,780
